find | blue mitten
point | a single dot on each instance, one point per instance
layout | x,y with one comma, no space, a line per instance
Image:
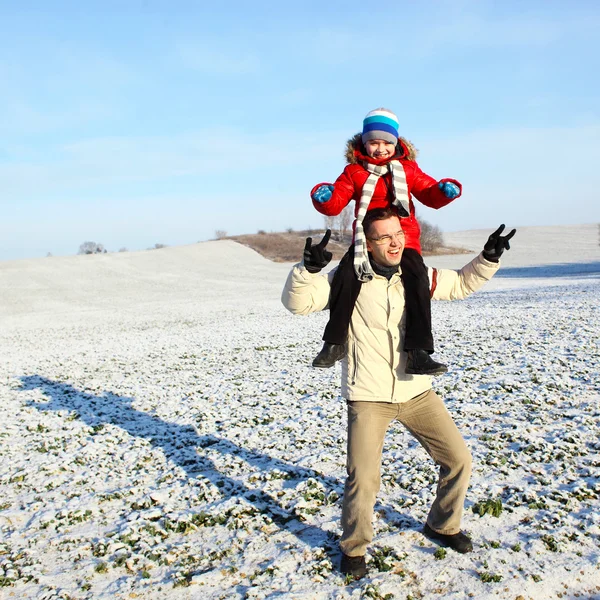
323,193
449,189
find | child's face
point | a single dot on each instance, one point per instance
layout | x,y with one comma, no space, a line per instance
380,149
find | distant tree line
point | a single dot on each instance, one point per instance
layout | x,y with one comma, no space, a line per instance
341,230
341,224
91,248
432,237
96,248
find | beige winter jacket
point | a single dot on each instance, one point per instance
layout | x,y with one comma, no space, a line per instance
374,367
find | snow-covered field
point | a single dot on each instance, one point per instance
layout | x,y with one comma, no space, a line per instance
163,435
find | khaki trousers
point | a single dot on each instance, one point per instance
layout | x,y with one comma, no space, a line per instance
426,417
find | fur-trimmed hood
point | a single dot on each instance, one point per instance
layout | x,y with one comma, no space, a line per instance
355,144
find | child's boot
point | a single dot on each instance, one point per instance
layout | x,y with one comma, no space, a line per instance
329,355
420,363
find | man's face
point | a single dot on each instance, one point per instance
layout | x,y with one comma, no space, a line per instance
385,242
380,149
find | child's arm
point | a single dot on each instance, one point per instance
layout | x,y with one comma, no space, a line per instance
427,191
343,190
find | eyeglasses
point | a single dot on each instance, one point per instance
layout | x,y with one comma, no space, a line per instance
387,239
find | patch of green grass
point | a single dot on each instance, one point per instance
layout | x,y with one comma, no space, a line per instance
183,580
488,507
101,567
487,577
384,559
539,505
550,543
372,591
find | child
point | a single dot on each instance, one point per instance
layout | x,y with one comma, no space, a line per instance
382,171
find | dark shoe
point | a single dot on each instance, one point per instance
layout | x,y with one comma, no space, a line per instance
329,355
353,565
457,541
420,363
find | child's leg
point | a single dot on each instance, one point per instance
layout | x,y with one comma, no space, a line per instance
418,341
345,288
417,302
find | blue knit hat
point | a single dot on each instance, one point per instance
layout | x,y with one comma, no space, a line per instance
380,124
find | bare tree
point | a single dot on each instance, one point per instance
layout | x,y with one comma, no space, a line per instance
431,236
91,248
330,223
220,234
345,221
340,224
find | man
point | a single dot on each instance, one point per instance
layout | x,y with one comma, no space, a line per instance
377,388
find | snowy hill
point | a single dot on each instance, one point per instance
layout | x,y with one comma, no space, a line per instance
211,275
221,273
537,253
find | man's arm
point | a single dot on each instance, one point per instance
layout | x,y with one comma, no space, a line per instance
305,292
456,285
447,284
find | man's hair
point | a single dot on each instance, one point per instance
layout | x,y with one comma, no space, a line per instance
377,214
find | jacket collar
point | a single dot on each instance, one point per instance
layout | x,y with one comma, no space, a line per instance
355,151
383,271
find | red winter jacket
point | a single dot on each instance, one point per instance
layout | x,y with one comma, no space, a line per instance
349,185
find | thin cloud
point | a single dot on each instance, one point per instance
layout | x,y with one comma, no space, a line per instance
210,59
335,46
24,118
527,175
110,160
62,87
472,29
453,29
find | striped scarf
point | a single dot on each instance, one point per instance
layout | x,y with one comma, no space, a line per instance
362,266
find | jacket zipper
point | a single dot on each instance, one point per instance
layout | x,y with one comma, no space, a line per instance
355,366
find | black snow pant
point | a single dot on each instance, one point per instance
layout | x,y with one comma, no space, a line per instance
345,288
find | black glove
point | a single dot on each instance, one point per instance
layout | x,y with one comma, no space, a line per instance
316,257
496,244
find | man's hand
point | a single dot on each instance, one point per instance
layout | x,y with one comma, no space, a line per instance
497,244
316,257
449,189
323,193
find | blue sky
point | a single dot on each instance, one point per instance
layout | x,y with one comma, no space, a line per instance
132,123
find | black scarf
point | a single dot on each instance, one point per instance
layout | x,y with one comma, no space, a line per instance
384,271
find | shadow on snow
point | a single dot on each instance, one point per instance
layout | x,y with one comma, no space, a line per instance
584,270
180,444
